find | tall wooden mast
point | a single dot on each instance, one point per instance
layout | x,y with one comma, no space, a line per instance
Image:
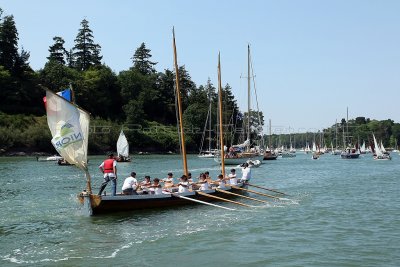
178,95
248,93
220,118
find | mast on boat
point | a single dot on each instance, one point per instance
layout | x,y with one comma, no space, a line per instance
347,126
178,95
270,135
221,139
248,95
209,133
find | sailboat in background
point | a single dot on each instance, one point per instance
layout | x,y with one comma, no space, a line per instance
307,149
348,152
383,149
379,154
123,148
362,149
242,153
336,151
210,153
269,154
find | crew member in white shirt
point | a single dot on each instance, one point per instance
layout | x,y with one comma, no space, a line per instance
169,181
221,182
203,183
156,188
232,177
183,186
246,173
130,185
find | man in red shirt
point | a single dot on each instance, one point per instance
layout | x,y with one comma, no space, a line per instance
109,169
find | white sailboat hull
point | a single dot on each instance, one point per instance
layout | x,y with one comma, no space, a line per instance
241,159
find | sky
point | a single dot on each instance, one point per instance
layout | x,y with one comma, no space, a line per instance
312,59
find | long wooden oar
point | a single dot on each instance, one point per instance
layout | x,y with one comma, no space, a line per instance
230,193
201,202
223,199
255,192
268,189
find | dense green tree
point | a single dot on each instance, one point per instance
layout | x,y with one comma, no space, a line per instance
360,120
86,52
8,43
98,91
57,51
22,64
166,87
141,60
134,112
56,76
70,58
187,86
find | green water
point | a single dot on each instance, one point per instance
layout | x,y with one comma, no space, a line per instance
340,213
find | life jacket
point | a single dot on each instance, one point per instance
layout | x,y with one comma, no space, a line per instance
109,166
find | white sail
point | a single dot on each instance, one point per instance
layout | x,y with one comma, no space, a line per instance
69,127
378,151
383,148
362,149
314,147
122,145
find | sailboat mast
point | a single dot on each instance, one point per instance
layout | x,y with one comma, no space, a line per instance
347,125
336,134
178,95
221,132
248,92
209,135
270,147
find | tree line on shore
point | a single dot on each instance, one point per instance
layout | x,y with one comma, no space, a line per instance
342,134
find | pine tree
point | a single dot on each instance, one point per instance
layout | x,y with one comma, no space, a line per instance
141,60
70,58
57,50
8,43
96,58
87,52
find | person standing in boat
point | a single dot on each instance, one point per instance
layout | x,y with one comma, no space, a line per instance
109,169
130,185
246,173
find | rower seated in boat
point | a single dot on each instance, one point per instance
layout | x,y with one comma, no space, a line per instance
221,182
130,185
190,180
203,183
145,184
169,181
208,177
156,188
183,185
